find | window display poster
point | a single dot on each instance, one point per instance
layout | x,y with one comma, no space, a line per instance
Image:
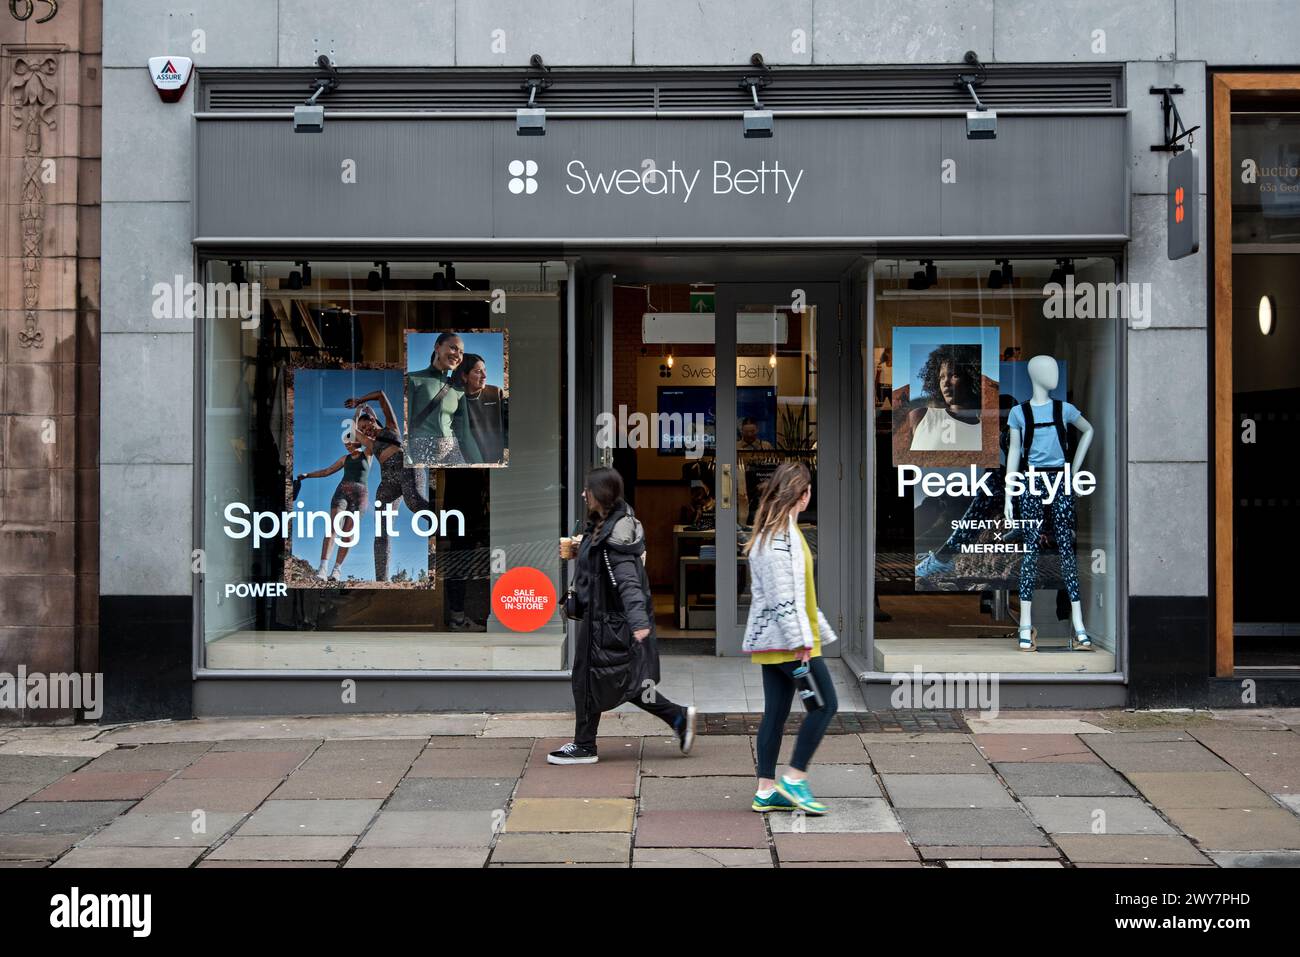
962,542
345,455
456,394
946,396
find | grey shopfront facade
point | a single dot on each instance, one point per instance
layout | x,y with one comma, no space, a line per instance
832,194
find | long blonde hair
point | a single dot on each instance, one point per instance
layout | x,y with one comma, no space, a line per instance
780,496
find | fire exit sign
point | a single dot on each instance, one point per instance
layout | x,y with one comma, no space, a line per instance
1183,189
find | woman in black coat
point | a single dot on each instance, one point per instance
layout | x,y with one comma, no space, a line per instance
616,658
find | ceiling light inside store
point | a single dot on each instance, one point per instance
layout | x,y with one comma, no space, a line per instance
377,280
995,279
1267,315
295,280
306,273
236,273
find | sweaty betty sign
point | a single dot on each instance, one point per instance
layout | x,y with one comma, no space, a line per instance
766,179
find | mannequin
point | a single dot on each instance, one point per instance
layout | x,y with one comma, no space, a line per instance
1046,455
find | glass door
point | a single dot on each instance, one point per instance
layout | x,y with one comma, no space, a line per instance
772,338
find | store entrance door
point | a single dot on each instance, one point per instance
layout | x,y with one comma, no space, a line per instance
778,342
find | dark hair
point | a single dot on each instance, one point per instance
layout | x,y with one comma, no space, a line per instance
963,359
606,488
466,363
442,337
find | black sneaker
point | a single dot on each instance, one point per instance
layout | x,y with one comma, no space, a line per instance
572,754
686,733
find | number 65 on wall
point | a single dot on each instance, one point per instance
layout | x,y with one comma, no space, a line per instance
23,9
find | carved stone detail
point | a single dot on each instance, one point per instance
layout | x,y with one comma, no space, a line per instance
33,99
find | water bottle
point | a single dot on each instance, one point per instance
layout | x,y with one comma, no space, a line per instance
805,685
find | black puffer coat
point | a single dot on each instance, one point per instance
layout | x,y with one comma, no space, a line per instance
610,666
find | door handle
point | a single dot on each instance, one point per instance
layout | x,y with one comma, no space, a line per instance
724,499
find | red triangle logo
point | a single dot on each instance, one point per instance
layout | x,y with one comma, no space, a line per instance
169,68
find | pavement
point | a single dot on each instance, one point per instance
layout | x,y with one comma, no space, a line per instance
1024,789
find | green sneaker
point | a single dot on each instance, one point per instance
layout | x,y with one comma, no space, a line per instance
798,793
773,802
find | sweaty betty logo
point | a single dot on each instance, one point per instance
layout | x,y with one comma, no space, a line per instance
766,179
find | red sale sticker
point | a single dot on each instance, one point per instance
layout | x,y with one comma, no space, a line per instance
523,599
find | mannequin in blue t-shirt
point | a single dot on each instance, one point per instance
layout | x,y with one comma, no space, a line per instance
1046,453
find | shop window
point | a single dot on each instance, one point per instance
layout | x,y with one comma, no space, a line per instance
382,462
961,353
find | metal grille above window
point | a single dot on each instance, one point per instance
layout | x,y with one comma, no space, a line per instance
792,88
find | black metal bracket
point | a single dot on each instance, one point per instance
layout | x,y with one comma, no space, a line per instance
758,81
1174,130
327,81
536,84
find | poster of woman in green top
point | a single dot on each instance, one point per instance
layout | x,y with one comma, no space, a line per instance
439,413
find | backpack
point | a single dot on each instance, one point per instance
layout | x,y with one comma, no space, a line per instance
1058,421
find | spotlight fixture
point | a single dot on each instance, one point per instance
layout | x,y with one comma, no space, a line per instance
757,123
306,272
530,120
236,273
1267,315
309,117
1002,276
295,279
925,277
670,360
439,282
377,280
1064,267
771,360
981,124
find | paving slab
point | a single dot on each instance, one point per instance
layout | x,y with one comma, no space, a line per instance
319,727
819,865
27,847
609,778
1215,789
432,829
61,732
792,847
234,765
1071,779
868,738
1095,815
1289,801
965,864
335,785
946,790
702,793
1256,858
1129,849
310,818
282,849
11,794
988,852
841,780
164,829
418,857
451,794
1032,726
608,848
38,770
928,827
102,786
571,814
846,815
64,817
465,741
209,794
713,755
700,829
1026,748
1239,829
1271,759
536,726
659,857
1152,735
55,748
1154,756
150,757
834,749
243,865
584,866
110,857
961,758
306,745
346,757
439,762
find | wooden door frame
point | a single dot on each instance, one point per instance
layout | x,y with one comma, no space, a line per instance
1223,86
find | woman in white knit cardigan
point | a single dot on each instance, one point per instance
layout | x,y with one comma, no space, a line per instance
786,630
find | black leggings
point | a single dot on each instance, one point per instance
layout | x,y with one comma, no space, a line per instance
778,692
396,481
